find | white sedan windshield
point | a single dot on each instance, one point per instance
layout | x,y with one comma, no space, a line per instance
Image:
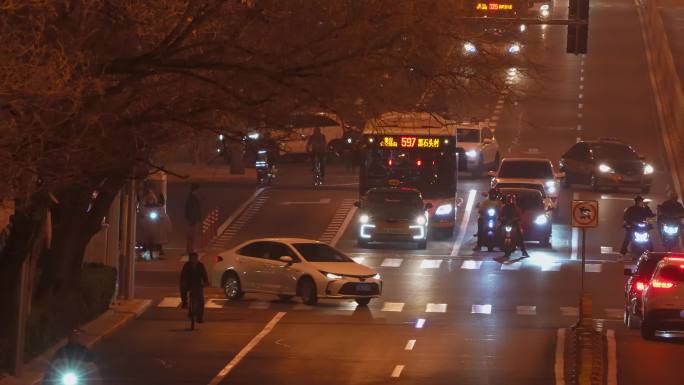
319,252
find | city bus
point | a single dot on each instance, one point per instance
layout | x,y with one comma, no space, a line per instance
415,150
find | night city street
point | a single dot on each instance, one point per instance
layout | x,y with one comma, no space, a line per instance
446,313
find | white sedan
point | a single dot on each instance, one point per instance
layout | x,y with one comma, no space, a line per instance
290,267
534,173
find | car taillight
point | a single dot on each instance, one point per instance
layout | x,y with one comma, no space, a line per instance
639,286
662,284
218,259
389,162
419,163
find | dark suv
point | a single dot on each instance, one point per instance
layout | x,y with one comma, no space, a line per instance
606,163
636,283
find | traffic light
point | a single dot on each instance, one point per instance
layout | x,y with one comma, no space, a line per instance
578,34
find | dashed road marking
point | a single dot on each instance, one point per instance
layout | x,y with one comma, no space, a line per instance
471,265
592,267
481,309
393,306
397,371
391,262
526,310
607,250
170,302
553,266
410,344
430,264
511,266
214,303
436,308
420,323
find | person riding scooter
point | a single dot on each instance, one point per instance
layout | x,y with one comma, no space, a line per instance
510,216
638,213
489,208
670,214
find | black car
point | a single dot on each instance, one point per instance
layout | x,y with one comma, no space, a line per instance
606,163
388,214
639,276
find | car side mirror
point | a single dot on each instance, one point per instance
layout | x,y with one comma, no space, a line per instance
487,141
560,175
628,272
357,204
428,206
287,259
491,174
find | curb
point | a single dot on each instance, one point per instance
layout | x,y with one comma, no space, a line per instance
94,332
585,356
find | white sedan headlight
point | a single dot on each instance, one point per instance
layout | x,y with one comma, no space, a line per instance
421,220
333,276
541,220
444,209
605,168
376,276
364,218
648,169
514,49
153,215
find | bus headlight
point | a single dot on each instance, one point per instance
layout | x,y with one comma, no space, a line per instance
471,153
444,209
364,231
364,218
421,220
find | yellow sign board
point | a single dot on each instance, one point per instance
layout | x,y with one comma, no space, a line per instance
493,7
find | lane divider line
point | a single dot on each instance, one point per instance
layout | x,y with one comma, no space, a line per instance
241,355
410,344
611,375
575,234
397,371
559,367
464,223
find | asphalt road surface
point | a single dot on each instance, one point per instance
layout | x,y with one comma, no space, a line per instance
447,315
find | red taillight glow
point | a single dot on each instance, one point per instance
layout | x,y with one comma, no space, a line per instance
640,286
676,259
662,284
389,162
218,259
419,163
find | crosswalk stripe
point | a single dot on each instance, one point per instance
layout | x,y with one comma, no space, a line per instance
470,264
592,267
436,308
215,303
262,305
359,260
481,309
393,306
569,311
347,306
511,266
391,262
554,266
430,263
526,310
170,302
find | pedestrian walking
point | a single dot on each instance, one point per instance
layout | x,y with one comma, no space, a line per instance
193,218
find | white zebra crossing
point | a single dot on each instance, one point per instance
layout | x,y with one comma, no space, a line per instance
526,310
436,308
392,262
470,264
430,263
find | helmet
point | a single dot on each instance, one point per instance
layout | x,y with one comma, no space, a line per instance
638,199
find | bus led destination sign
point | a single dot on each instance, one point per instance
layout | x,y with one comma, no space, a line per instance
409,142
493,7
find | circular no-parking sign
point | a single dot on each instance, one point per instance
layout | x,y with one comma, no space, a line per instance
584,213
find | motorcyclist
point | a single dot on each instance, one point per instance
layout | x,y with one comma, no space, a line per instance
492,202
639,212
193,279
316,146
671,209
510,215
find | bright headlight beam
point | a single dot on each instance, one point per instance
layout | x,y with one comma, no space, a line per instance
648,169
471,153
421,220
469,47
153,215
364,218
69,379
491,212
333,276
444,209
605,168
541,220
514,48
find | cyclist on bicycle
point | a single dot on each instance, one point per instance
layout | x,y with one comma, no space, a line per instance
316,146
192,281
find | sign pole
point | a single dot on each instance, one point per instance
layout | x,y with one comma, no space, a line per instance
581,291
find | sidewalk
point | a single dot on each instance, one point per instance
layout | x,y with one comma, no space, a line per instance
208,173
93,332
